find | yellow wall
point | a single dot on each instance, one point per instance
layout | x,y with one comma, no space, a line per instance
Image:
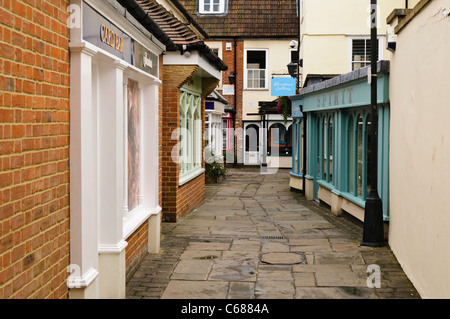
326,28
419,231
278,59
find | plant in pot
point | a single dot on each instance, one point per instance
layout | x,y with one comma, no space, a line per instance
214,168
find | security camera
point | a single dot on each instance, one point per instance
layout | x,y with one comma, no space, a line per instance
292,44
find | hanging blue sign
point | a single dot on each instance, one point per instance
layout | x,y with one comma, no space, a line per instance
282,86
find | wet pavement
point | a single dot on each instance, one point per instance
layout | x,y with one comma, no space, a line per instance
254,238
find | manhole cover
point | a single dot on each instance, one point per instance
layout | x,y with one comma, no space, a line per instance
282,258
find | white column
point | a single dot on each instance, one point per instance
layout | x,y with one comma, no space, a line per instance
150,161
111,245
83,281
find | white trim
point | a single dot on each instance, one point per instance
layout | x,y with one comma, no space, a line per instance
136,218
112,248
186,177
82,281
201,7
266,81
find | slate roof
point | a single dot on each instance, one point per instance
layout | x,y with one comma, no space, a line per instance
250,19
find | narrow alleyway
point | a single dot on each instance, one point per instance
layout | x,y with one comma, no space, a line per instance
253,238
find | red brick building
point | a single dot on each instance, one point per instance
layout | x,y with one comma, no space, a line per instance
34,149
190,73
88,103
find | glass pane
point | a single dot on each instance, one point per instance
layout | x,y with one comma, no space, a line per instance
324,148
360,155
133,144
330,150
369,147
350,157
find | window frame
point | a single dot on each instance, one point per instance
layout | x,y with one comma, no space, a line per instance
201,7
366,38
190,142
266,79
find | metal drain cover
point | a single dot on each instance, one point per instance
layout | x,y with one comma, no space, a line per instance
282,258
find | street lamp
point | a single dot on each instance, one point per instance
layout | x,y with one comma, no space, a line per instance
292,68
373,232
232,77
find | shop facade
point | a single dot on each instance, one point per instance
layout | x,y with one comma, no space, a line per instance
114,182
338,144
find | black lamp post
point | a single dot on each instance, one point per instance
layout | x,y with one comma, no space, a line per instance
373,232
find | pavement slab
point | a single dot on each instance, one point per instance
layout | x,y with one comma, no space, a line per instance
254,238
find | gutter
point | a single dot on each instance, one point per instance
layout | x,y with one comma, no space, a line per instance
201,47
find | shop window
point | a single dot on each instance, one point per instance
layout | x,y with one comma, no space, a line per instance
190,136
279,140
360,129
330,150
358,148
256,69
350,156
133,129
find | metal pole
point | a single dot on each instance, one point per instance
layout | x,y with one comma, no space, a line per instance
373,233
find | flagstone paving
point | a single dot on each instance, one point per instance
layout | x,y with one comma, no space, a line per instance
254,238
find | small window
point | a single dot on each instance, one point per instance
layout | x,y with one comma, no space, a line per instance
256,69
360,54
211,6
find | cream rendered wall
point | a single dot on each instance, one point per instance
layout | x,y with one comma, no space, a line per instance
419,233
326,26
278,57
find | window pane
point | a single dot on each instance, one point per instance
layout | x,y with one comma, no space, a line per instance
350,157
133,144
369,147
330,150
324,148
360,155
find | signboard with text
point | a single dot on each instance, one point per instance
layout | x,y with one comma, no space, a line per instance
282,86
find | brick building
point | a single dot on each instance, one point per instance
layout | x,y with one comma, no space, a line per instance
190,74
34,149
81,86
256,46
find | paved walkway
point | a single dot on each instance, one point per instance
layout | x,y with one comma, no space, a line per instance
253,238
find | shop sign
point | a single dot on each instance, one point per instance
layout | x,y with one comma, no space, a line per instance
282,86
104,34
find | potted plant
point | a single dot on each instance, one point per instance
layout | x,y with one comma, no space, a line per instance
214,168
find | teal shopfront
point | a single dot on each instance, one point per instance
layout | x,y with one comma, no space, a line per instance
337,113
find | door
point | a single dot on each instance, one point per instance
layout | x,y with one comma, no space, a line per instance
251,147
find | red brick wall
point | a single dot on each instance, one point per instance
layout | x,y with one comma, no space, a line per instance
136,249
228,58
34,149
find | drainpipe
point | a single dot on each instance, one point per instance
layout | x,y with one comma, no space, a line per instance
373,232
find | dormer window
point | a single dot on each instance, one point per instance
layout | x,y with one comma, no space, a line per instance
211,6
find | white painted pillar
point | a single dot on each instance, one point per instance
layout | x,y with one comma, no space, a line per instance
150,156
83,281
111,135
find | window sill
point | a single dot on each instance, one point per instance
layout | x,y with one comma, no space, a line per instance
134,219
188,176
256,89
